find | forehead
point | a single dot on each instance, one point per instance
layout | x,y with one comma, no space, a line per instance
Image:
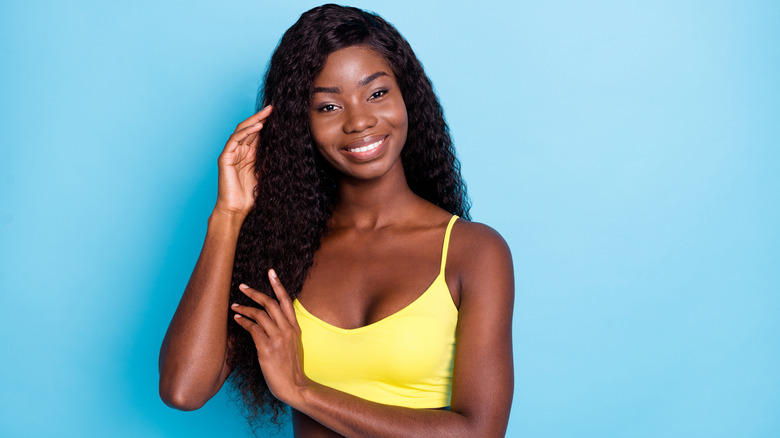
350,65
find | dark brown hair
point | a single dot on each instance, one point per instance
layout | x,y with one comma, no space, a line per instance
297,189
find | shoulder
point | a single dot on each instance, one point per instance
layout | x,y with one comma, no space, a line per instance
472,242
483,376
481,260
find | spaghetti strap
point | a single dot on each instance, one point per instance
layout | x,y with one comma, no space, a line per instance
447,243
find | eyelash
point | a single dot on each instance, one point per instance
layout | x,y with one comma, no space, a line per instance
331,107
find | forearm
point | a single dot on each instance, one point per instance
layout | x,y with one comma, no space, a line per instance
354,417
192,357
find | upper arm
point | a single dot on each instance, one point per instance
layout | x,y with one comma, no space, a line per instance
224,373
483,375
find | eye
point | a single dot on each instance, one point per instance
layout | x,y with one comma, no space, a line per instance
378,94
327,108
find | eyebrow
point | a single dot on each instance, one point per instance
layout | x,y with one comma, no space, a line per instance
362,83
365,81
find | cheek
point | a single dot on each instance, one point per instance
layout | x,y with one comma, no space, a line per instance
319,133
397,116
403,116
322,141
401,120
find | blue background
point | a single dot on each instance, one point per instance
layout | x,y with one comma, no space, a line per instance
627,151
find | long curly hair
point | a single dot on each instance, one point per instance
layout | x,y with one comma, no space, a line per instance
296,189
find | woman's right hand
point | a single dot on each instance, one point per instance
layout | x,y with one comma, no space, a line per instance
237,179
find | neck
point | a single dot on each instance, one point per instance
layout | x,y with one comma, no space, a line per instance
374,204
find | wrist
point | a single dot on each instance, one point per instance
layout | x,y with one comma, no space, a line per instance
226,220
303,394
233,209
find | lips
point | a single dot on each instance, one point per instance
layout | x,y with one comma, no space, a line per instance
366,148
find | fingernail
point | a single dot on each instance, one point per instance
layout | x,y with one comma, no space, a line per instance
242,286
237,316
273,274
234,305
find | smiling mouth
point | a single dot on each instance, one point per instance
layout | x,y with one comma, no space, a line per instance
367,147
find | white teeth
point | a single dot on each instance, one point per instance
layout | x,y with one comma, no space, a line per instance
367,147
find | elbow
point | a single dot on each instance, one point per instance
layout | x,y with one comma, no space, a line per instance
179,398
181,402
483,427
186,391
485,431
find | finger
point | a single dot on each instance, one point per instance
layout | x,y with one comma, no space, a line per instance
284,298
251,140
271,307
259,316
257,332
259,116
242,136
238,139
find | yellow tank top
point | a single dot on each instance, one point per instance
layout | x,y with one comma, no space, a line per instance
404,359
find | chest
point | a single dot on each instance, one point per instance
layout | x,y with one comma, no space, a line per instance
357,280
405,359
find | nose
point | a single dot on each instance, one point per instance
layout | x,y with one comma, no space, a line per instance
359,119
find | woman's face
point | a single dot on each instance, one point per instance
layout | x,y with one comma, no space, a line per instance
358,116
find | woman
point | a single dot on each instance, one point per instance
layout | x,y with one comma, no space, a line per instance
336,276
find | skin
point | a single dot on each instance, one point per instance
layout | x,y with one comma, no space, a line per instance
382,250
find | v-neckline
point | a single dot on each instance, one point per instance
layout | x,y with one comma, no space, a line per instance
439,277
381,321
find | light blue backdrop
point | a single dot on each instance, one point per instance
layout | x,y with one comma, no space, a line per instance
627,151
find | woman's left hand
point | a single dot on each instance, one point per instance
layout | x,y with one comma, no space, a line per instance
277,337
